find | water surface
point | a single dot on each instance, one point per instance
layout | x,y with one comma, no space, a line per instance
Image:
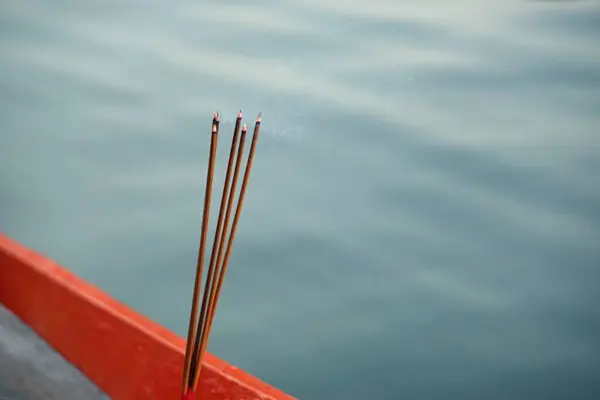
423,219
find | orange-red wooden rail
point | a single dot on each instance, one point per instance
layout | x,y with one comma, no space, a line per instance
127,355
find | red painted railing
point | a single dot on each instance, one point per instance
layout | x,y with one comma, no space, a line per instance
127,355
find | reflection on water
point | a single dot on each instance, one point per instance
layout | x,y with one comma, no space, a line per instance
424,216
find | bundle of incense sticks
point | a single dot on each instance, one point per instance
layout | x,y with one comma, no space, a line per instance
200,326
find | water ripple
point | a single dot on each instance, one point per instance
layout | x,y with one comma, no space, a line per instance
423,209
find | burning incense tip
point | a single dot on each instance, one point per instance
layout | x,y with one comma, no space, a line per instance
244,129
240,115
216,115
259,118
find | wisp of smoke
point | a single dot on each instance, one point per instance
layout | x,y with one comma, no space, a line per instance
271,130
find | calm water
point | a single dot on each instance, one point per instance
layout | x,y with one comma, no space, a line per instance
423,220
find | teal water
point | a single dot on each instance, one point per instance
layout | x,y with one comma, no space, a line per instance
423,219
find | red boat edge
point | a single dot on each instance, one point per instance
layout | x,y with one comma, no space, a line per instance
126,354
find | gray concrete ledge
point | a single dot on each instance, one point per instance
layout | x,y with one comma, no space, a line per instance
30,369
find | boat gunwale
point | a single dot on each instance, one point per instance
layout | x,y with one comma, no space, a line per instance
13,295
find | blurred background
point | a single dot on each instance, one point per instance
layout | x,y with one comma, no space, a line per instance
423,218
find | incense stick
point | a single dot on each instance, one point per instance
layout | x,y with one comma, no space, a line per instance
224,265
210,284
199,328
200,263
